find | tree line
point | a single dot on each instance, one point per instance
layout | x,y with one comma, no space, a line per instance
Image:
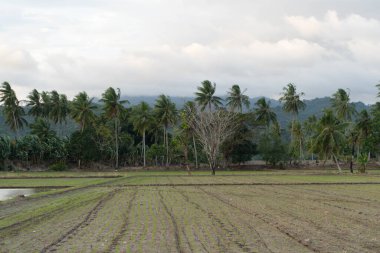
208,130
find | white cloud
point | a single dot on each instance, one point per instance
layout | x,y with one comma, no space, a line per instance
152,47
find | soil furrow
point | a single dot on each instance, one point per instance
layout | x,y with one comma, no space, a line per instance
174,222
212,216
289,234
14,228
124,227
91,215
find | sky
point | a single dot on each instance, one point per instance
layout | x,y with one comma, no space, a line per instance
149,47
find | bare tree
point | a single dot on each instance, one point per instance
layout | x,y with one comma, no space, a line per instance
212,129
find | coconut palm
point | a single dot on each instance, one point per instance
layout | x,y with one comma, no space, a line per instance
189,109
12,110
205,96
142,118
310,126
113,108
82,110
41,128
167,116
330,137
292,104
298,139
34,101
46,104
264,113
341,104
236,99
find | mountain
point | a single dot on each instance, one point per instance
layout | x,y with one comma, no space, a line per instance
313,107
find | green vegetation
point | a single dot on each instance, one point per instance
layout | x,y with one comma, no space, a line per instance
210,130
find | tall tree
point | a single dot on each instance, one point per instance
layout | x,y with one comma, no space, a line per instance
330,138
142,118
291,100
113,108
310,126
36,106
46,104
378,86
341,104
82,110
189,109
13,112
167,116
205,96
264,113
41,128
292,104
236,99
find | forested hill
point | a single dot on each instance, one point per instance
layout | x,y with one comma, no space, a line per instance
313,107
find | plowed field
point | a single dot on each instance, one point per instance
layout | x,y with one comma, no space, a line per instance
173,213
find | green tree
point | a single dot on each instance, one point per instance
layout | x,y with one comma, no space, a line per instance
167,115
41,128
271,147
264,114
34,102
189,109
341,104
142,118
236,99
13,112
292,104
113,108
330,138
46,104
310,126
205,96
82,110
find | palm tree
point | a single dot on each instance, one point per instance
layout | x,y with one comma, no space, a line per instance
141,119
82,110
41,128
114,108
264,113
236,99
13,112
292,103
330,137
34,101
46,104
298,139
167,115
189,109
205,96
341,104
309,128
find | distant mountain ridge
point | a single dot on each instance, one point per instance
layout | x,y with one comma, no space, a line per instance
313,107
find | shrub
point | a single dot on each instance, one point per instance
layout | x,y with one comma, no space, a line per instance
59,166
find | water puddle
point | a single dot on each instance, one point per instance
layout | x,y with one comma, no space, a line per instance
11,193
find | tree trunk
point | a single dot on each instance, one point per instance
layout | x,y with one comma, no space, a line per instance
352,157
186,157
337,164
144,148
195,153
167,149
116,145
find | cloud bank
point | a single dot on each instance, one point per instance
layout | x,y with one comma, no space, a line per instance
161,46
